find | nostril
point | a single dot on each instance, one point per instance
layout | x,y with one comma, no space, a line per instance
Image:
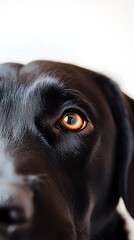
16,204
12,215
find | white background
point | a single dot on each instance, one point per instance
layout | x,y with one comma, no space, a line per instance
97,34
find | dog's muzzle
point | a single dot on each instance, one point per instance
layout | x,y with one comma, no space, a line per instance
16,207
31,208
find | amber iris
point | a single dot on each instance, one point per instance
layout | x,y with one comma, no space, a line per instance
72,121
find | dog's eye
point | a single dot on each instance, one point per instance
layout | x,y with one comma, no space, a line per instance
72,121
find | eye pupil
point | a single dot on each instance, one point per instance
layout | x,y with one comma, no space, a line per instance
70,119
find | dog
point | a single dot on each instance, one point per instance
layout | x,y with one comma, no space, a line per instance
67,153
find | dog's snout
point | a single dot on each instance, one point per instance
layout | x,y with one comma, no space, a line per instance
16,204
12,215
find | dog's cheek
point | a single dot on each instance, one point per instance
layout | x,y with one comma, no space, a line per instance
74,156
74,149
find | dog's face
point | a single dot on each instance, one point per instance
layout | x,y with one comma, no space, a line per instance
66,142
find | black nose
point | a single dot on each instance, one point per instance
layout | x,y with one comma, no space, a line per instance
16,203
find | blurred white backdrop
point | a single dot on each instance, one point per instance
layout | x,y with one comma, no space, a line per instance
98,34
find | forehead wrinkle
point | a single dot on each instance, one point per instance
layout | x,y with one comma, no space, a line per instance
30,102
38,88
24,102
44,81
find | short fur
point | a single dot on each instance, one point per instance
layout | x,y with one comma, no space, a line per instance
72,180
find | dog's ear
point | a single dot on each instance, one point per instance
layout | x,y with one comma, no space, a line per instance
122,108
129,105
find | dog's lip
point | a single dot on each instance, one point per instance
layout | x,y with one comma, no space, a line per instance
18,227
15,228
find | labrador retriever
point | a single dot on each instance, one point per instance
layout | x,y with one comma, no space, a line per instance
66,153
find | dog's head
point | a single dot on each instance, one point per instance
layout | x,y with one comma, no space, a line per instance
66,147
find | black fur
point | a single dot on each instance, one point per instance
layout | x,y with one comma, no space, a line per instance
58,184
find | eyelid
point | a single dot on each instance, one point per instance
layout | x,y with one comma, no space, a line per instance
75,109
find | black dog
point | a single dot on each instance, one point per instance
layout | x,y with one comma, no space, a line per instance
67,153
